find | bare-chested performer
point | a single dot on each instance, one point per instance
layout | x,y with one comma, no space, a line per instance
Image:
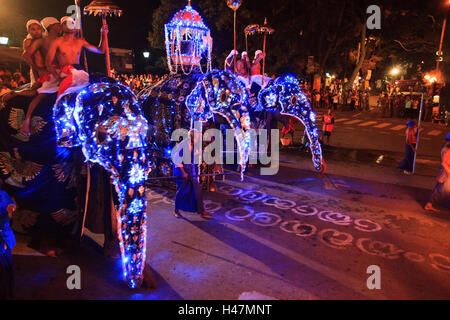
67,50
48,83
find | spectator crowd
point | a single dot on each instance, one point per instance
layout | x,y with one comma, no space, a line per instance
326,98
138,82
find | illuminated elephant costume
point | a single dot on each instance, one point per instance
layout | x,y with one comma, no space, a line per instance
105,120
181,100
284,97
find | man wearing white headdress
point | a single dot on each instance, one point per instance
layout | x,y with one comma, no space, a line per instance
256,65
255,71
34,29
48,83
67,50
36,60
52,29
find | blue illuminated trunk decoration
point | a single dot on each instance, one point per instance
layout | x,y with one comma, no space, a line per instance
284,96
106,121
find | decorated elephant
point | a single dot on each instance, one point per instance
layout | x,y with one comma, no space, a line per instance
180,100
105,120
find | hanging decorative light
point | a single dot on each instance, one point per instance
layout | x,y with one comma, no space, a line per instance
187,39
249,31
234,4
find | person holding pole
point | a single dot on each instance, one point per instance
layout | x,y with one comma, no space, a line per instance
67,50
256,64
230,61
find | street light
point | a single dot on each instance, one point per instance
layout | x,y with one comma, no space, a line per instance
146,54
4,41
430,78
395,71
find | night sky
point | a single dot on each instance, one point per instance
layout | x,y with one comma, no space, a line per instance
131,30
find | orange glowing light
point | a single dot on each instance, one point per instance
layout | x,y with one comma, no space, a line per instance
430,78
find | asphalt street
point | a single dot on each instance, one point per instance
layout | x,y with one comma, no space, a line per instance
296,235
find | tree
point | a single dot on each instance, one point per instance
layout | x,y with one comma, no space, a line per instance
329,30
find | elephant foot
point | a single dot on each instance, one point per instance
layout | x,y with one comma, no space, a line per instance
149,281
111,250
50,249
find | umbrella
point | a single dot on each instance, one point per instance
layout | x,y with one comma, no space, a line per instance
104,8
265,30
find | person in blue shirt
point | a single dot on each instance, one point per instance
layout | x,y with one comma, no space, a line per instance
7,242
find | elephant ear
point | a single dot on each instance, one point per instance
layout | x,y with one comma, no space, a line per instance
199,101
6,163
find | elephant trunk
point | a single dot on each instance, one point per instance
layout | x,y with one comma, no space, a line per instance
316,149
129,181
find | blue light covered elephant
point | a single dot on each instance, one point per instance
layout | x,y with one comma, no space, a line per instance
105,120
180,100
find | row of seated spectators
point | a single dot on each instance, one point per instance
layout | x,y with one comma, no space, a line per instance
10,79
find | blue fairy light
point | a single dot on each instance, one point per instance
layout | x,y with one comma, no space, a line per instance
221,92
137,174
136,206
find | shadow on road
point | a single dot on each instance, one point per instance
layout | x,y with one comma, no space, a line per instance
291,271
44,278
